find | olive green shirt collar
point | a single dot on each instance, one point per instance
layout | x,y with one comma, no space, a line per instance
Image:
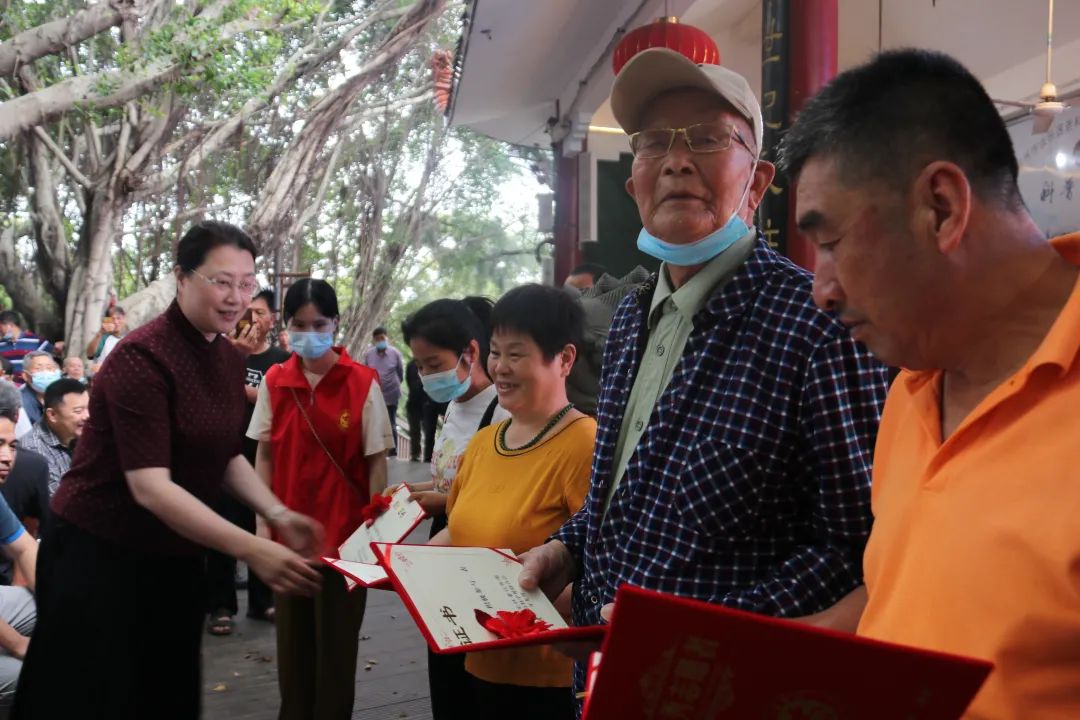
690,299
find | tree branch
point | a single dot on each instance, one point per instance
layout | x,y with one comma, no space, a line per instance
101,90
214,137
64,159
293,174
55,36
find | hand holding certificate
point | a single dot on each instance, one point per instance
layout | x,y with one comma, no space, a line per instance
390,522
468,598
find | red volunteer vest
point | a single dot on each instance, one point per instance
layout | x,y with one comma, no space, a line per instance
305,479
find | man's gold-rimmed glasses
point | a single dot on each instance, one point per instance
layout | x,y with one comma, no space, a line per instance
700,138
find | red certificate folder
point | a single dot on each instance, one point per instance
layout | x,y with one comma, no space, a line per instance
355,559
443,587
668,658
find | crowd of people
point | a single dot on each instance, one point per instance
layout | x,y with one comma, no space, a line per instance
722,430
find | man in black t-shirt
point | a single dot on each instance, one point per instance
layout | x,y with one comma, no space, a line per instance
221,569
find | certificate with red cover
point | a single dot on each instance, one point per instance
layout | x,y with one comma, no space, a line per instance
457,594
355,559
668,658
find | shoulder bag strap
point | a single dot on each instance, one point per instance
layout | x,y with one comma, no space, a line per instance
488,414
311,426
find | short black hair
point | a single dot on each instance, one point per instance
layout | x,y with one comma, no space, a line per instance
548,315
267,296
6,365
54,394
314,291
111,312
589,268
452,325
10,317
204,236
887,119
379,330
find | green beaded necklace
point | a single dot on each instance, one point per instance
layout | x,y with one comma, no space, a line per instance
539,436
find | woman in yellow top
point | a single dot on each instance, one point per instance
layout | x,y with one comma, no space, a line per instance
520,480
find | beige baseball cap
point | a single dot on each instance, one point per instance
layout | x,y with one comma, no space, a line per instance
657,70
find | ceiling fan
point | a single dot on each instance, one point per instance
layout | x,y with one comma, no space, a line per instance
1048,107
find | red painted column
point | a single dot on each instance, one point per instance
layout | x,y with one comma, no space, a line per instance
567,249
813,30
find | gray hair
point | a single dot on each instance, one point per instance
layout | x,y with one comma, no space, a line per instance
10,401
36,354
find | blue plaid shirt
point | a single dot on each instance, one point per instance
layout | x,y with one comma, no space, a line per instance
750,487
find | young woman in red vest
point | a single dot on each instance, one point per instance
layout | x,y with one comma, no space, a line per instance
323,433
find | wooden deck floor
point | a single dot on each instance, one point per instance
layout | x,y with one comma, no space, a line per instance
240,671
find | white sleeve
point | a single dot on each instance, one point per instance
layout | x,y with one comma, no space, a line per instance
263,415
23,426
378,436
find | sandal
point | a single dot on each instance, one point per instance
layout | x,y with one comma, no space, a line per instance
221,625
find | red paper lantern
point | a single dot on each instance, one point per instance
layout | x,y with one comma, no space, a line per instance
669,33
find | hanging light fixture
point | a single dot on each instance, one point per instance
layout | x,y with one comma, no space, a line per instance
667,32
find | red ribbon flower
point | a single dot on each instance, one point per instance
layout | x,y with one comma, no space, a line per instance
516,624
378,505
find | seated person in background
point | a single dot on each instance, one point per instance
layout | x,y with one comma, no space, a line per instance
113,327
74,368
26,487
23,426
40,371
520,480
67,407
18,613
17,343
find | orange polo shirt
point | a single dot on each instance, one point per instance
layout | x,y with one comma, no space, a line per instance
976,542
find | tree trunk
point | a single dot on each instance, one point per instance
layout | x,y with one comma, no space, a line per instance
26,296
151,301
49,231
91,282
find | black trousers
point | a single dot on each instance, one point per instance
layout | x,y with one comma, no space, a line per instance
416,422
425,419
432,413
118,633
451,687
495,701
391,410
221,568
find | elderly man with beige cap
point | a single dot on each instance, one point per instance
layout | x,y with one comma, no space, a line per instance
735,419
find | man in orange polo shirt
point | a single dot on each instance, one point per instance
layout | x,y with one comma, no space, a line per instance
907,187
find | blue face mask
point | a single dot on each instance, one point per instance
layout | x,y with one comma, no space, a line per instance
40,381
381,345
444,386
310,345
700,251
